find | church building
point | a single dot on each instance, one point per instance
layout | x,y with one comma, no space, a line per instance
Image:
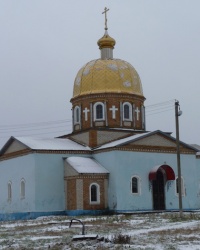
109,163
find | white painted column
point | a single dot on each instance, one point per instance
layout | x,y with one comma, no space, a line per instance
134,116
121,113
91,115
143,118
105,113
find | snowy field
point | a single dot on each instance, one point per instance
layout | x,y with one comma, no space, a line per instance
137,231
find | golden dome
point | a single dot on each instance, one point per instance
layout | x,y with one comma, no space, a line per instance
107,76
106,42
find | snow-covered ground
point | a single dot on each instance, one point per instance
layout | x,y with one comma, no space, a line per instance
135,231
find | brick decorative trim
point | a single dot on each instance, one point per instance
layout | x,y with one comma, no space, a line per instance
62,151
15,154
87,176
94,97
28,151
147,149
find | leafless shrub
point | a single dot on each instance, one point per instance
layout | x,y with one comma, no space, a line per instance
121,239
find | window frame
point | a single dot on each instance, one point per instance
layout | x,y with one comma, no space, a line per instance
97,201
22,188
77,117
138,185
95,111
182,186
9,189
130,118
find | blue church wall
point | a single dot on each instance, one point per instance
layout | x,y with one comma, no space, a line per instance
108,161
49,175
50,188
197,182
123,165
43,175
13,171
44,183
190,174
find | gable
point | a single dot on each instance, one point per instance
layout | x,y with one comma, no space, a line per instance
100,137
155,140
109,136
14,147
158,142
82,138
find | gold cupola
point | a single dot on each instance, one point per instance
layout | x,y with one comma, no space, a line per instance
107,74
106,43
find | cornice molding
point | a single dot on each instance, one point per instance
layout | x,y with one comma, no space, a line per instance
93,97
87,176
28,151
147,149
62,151
15,154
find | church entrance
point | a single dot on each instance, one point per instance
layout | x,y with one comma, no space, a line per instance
158,176
159,191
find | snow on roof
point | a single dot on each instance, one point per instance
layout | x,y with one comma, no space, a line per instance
50,143
122,141
86,165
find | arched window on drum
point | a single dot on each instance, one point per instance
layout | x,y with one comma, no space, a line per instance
127,111
99,113
77,113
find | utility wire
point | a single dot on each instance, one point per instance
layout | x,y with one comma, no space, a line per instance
56,124
161,103
155,113
22,135
28,129
35,124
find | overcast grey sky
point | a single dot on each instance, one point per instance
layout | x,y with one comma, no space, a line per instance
44,43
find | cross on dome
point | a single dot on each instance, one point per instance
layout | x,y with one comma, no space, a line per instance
105,12
106,43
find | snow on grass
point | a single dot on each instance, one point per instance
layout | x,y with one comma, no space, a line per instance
154,231
46,237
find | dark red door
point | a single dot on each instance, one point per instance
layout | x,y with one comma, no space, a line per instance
159,192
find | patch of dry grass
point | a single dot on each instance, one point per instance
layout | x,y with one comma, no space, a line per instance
54,233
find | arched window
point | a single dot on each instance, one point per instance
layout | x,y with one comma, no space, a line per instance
76,115
94,193
182,186
22,189
135,185
127,111
99,111
9,190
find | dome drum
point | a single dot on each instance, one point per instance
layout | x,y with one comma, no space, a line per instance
108,111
